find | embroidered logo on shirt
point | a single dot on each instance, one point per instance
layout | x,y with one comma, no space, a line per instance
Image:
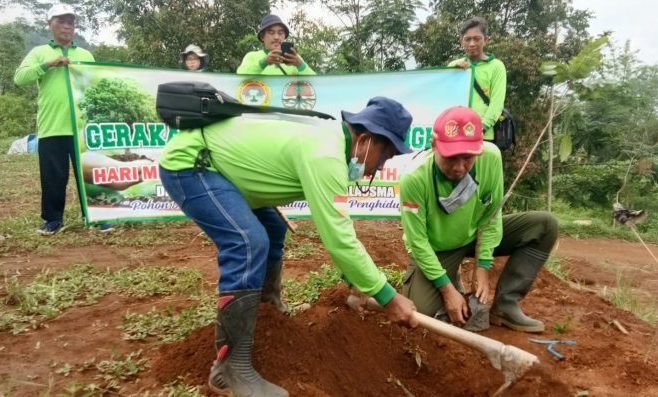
410,207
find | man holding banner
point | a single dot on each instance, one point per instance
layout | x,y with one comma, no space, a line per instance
261,161
47,65
450,207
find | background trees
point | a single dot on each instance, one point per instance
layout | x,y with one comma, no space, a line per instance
607,123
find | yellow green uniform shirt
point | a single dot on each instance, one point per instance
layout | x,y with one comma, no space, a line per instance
428,229
275,160
254,63
491,75
54,115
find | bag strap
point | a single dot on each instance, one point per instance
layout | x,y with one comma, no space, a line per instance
480,92
240,108
281,69
202,160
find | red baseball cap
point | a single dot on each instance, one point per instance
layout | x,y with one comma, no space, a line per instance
458,130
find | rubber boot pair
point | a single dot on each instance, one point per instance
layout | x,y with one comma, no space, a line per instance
514,283
232,373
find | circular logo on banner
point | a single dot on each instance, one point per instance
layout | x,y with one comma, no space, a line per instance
299,95
254,92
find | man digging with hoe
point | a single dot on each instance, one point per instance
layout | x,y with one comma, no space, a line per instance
257,163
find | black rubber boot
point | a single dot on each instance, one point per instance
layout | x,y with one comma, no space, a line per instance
514,283
272,287
232,372
216,378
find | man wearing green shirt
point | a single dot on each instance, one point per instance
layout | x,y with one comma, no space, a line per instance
257,162
47,66
271,60
489,73
450,206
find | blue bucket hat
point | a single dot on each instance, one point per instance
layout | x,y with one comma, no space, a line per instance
271,20
384,116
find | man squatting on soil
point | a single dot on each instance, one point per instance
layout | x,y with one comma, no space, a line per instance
280,160
446,201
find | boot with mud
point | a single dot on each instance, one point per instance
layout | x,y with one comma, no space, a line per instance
514,283
272,287
232,373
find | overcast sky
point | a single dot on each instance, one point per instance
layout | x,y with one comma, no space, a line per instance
633,20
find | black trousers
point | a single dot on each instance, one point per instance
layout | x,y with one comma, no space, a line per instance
54,156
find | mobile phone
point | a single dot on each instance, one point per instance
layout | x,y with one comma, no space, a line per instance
286,46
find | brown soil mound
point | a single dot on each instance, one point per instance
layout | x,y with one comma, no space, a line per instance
331,351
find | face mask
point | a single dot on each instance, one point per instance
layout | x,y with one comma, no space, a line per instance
356,170
460,195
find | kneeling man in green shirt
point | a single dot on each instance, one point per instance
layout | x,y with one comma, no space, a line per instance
450,205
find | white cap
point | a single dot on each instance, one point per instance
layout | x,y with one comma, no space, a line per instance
195,49
60,9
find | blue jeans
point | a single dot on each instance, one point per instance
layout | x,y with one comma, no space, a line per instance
248,240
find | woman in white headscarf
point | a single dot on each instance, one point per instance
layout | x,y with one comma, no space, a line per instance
194,59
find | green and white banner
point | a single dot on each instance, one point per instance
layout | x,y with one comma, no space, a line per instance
120,136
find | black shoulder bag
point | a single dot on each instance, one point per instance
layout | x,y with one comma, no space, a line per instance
191,104
504,129
188,105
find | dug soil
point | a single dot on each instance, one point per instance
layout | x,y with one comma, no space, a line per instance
331,351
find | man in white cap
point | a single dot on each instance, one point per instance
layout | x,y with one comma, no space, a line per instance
193,58
274,59
47,66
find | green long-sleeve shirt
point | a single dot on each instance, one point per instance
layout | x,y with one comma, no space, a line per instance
54,115
428,229
254,63
274,160
491,75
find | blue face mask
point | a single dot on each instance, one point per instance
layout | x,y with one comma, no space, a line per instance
356,170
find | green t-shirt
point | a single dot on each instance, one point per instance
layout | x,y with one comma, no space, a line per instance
427,228
54,116
277,159
491,75
254,63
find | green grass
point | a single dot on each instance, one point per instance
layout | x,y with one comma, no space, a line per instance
20,178
555,266
168,325
120,369
601,224
298,292
20,234
563,327
49,294
20,195
624,297
151,281
109,373
299,245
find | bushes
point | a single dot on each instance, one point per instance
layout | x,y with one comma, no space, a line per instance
17,115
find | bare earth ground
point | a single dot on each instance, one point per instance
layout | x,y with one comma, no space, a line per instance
330,351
